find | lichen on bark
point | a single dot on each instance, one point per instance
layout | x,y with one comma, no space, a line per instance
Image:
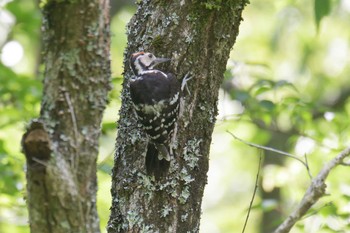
61,146
198,40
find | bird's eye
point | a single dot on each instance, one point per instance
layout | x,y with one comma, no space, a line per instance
150,55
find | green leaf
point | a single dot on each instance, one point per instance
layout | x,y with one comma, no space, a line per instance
328,209
105,168
106,126
285,83
322,8
241,96
267,104
261,90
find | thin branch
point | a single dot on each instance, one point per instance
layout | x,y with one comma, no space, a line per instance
273,150
307,165
317,210
255,189
315,191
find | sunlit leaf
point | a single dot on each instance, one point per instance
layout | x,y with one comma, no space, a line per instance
327,210
106,126
261,90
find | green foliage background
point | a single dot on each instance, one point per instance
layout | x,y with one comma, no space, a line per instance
289,73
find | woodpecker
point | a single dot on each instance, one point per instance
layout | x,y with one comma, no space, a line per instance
155,96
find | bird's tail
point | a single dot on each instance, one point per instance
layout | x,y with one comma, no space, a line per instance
156,163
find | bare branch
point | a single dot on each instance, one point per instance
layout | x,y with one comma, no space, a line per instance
274,150
254,192
307,166
315,191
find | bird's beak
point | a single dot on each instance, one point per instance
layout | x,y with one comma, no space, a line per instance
160,60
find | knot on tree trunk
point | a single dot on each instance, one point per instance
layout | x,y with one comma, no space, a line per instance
36,144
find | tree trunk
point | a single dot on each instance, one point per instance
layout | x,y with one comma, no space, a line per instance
271,218
61,146
198,37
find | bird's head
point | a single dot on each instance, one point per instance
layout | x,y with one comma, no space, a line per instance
142,61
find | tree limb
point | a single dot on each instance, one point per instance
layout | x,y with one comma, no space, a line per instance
315,191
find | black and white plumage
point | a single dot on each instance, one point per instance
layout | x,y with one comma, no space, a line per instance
155,96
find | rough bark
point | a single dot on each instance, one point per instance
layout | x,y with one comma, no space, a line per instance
61,146
198,36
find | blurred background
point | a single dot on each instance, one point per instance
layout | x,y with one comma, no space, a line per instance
287,86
